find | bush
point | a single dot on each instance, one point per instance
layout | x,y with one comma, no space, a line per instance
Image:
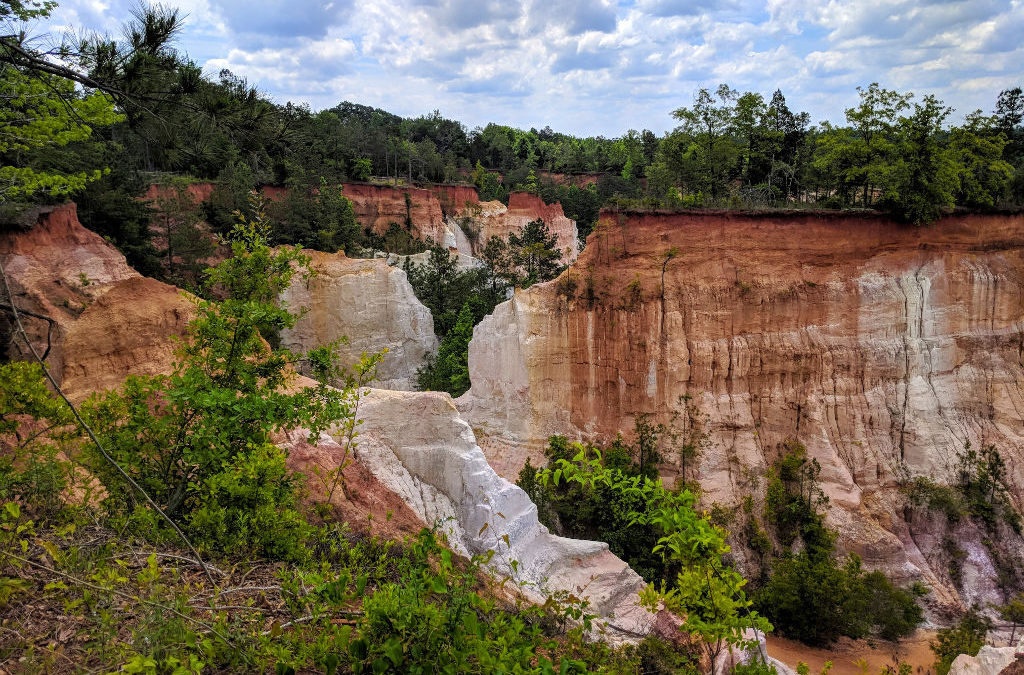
315,215
249,508
924,492
808,599
809,595
981,478
597,511
702,586
33,436
449,370
197,440
432,620
966,637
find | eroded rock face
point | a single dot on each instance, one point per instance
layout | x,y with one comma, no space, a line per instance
377,206
989,661
127,331
371,304
453,216
494,219
419,447
356,493
456,200
883,348
200,192
463,261
56,268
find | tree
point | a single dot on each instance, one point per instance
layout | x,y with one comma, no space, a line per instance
785,145
449,370
1013,613
488,184
111,208
1009,117
810,595
707,124
983,177
42,111
501,268
199,440
864,154
128,72
317,216
926,177
705,591
535,251
874,122
360,169
438,284
187,245
748,123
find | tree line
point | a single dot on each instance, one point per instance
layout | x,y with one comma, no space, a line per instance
113,115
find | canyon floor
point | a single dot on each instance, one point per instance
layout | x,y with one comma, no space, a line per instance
845,654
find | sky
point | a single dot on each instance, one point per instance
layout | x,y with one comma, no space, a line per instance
594,67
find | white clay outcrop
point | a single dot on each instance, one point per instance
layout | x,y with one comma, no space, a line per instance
989,661
420,448
372,305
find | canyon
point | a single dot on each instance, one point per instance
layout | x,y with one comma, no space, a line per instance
418,463
883,348
454,217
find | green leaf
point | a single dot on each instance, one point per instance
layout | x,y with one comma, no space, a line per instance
393,650
358,649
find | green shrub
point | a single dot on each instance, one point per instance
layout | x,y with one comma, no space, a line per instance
966,637
702,586
809,595
894,612
34,434
924,492
657,657
432,620
793,498
249,508
981,478
808,599
197,440
449,369
597,511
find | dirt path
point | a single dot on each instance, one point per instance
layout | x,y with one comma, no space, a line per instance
845,654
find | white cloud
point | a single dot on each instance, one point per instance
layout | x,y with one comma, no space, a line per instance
597,66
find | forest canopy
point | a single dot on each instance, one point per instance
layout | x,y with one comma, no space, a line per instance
97,119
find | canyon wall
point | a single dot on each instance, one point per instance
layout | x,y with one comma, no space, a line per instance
445,213
377,206
418,446
577,179
455,200
56,269
442,213
200,192
494,219
883,348
372,305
